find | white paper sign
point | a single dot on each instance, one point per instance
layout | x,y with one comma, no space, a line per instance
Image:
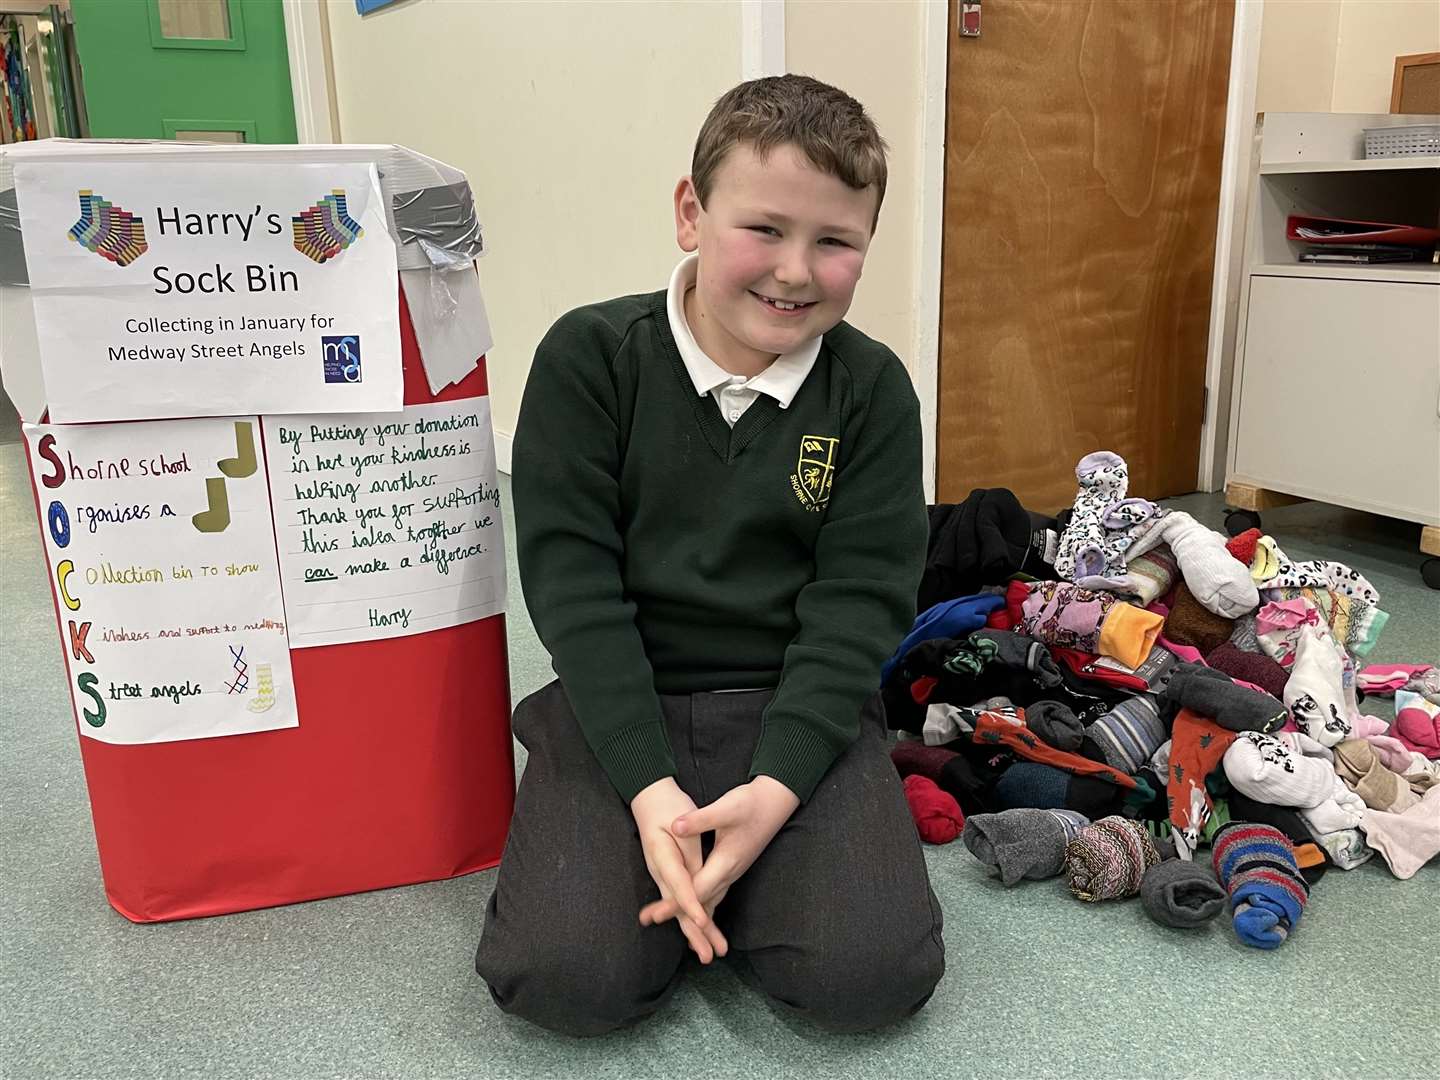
179,289
162,557
389,523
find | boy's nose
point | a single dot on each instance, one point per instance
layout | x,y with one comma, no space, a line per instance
793,270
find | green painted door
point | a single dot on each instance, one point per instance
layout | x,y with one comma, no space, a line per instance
199,69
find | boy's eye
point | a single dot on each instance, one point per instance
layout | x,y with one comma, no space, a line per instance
768,230
835,241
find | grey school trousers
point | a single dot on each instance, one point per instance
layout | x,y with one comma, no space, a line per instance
836,920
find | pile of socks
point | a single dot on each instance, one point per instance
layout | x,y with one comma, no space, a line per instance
1156,690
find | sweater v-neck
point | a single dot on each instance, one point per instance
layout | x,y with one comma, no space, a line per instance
727,442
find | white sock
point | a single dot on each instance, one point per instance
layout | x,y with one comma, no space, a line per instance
1315,693
1269,770
1219,580
1341,811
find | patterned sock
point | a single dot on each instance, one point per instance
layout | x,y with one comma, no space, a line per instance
1315,692
1020,844
1256,864
1181,894
1273,769
1108,859
1197,746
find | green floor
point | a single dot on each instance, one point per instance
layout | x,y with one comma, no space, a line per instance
381,984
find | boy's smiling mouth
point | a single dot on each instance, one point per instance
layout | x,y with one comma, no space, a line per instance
783,307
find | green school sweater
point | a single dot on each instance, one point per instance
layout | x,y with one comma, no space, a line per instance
662,552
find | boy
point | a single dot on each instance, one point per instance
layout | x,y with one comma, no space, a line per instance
721,531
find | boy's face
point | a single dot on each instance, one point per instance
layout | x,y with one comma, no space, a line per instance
773,230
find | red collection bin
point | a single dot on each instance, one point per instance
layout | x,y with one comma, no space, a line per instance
401,771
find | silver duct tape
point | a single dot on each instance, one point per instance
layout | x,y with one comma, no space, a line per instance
441,222
12,246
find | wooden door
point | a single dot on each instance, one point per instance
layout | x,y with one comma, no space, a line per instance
1082,178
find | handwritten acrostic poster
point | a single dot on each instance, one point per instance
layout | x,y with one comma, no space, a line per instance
191,288
388,523
162,557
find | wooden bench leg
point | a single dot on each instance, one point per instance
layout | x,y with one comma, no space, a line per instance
1244,496
1430,539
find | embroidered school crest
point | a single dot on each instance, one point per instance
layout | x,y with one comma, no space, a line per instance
812,477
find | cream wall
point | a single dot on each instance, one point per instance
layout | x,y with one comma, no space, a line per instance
872,50
1339,55
574,120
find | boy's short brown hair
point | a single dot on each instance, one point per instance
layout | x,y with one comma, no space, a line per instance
825,124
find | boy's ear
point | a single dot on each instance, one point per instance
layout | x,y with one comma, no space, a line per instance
687,215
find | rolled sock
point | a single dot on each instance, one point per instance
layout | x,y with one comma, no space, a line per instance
1346,847
1020,844
936,814
1391,751
1387,678
1129,632
1029,784
1055,724
1256,865
1252,667
1094,541
1150,576
1107,860
1357,765
911,756
1343,810
1270,769
1191,623
1409,840
1243,546
1181,894
1197,746
1417,723
1214,695
1216,579
1315,693
1066,615
1356,624
1284,572
1130,733
1311,859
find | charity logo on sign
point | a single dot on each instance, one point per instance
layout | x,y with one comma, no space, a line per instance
325,229
109,231
341,357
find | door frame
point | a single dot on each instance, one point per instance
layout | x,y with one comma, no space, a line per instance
1229,235
312,85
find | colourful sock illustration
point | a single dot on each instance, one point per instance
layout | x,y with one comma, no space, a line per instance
264,690
217,517
242,677
325,229
109,231
243,463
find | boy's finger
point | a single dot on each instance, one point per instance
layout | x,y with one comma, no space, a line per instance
682,890
698,941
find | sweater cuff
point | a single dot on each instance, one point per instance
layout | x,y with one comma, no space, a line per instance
636,757
795,754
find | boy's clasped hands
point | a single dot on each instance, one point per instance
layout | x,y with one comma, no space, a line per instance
745,819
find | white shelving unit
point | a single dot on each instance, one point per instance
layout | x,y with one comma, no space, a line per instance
1336,395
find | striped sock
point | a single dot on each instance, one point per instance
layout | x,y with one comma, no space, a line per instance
1130,733
1256,864
1108,859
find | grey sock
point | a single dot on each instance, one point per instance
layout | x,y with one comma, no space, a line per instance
1021,843
1181,893
1055,724
1215,695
